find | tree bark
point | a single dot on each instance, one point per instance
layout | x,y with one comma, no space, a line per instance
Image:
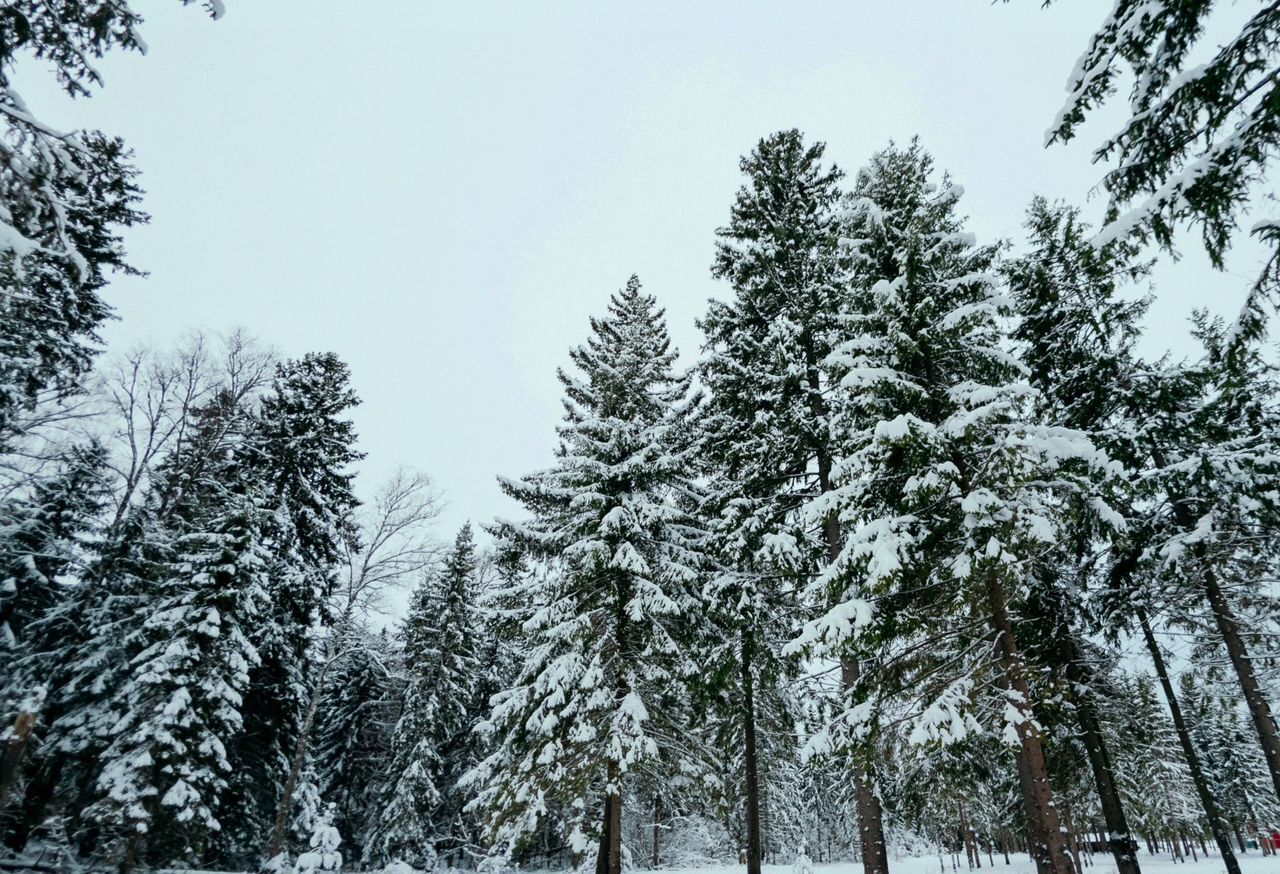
602,858
1207,801
1259,708
280,831
749,756
1123,845
615,832
1049,849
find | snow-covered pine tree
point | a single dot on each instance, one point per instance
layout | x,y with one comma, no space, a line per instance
422,809
1076,335
303,448
767,439
612,591
1232,760
45,540
64,200
42,537
165,771
353,730
946,485
1198,136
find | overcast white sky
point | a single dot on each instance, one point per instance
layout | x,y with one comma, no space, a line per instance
443,192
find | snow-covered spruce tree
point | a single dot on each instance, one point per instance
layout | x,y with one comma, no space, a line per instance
1077,335
1219,470
1154,781
83,649
1232,761
1197,137
616,558
767,442
1089,377
164,773
947,487
45,539
353,730
43,536
64,199
303,450
421,811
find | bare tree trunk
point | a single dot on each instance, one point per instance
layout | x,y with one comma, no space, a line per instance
279,832
602,858
615,831
1207,800
752,766
657,829
1124,848
1049,852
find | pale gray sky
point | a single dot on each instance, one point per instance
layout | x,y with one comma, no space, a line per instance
443,192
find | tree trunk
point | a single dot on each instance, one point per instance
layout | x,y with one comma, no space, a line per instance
1259,709
35,802
749,756
281,829
1229,629
602,858
1049,850
657,829
1188,749
875,857
1124,848
615,831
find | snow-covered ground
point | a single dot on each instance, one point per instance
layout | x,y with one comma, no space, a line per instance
1251,863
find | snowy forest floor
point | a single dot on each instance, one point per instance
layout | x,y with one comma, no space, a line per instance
1161,863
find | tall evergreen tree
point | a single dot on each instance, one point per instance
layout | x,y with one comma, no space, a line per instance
948,487
421,815
607,608
303,452
768,435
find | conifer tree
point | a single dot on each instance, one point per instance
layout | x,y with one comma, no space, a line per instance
613,589
302,452
164,773
353,730
767,431
946,484
430,746
43,537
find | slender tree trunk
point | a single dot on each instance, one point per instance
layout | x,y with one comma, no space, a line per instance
130,858
749,756
1259,708
1073,837
1229,628
1207,800
602,858
615,829
657,829
1124,848
281,829
1050,851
